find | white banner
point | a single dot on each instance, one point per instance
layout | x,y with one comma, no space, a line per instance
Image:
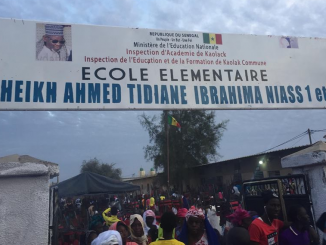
49,66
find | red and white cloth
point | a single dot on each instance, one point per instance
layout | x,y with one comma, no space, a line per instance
193,212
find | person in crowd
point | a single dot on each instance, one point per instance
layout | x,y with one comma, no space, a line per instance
110,215
90,236
148,203
300,232
153,233
265,229
97,227
181,217
91,210
69,213
152,203
239,234
151,227
124,231
52,47
185,202
321,225
96,223
197,230
150,221
108,238
137,230
240,218
168,224
115,202
70,239
143,204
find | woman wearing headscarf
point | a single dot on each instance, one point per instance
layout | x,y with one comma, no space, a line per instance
197,229
150,220
239,234
137,230
181,217
108,238
124,231
151,227
240,218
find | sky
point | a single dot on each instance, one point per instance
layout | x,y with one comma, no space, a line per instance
68,138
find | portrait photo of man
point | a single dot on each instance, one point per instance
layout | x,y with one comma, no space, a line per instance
52,43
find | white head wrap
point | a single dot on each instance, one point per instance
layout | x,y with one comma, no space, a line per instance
108,238
142,239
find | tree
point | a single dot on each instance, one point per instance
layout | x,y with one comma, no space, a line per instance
95,166
195,143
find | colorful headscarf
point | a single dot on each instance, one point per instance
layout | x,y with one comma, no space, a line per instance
142,239
108,238
151,202
237,217
193,212
149,213
182,212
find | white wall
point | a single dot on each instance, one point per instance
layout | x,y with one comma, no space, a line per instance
318,188
24,210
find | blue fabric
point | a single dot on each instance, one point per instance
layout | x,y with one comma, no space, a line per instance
211,234
185,202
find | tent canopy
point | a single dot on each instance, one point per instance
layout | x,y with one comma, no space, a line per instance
90,183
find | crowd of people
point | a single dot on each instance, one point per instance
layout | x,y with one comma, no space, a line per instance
197,226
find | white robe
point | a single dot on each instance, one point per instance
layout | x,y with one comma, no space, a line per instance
47,54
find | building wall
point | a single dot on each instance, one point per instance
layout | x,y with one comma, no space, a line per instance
144,183
225,170
24,210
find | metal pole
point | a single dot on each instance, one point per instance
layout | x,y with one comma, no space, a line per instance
309,133
167,150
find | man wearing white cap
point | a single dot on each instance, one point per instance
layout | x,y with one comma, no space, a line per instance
54,48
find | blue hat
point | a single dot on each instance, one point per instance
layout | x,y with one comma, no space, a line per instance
54,30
